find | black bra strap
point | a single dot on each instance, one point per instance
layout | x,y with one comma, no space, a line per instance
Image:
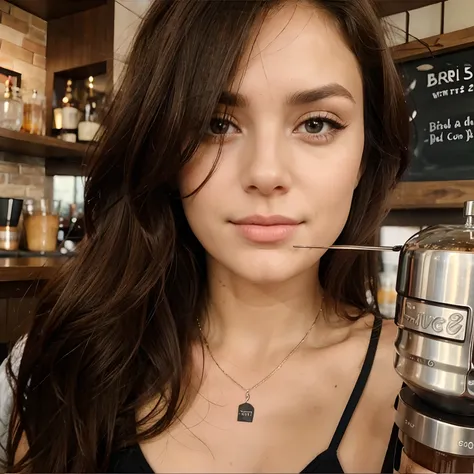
358,388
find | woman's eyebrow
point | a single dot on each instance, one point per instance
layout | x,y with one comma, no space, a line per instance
320,93
236,99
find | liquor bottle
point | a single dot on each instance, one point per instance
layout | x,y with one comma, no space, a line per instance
70,115
73,230
89,126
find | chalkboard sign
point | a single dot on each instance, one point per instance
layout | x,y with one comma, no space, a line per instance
440,95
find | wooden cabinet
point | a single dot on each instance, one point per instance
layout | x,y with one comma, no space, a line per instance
18,302
21,281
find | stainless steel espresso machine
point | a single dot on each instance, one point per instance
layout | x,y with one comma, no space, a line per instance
434,349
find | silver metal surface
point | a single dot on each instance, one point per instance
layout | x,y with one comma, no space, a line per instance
434,320
435,286
438,276
373,248
441,432
433,364
469,208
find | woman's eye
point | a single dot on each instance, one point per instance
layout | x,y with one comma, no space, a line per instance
316,126
220,126
319,129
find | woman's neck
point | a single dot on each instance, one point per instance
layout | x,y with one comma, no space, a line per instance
259,320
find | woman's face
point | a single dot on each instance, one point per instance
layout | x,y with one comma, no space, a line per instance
293,143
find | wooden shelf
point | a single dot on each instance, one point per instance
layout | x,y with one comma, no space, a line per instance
438,44
432,194
35,145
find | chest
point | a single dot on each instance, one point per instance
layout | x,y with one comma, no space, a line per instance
296,415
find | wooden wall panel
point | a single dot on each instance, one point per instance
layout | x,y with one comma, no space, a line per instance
80,39
49,9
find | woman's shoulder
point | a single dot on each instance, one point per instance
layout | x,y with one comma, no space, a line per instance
360,331
388,334
383,369
388,331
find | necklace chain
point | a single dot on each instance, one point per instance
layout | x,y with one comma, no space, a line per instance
276,369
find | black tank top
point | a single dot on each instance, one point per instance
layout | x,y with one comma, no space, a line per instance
132,460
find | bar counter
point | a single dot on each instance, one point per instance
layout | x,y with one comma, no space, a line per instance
29,268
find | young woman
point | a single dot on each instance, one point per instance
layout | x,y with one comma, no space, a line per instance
189,334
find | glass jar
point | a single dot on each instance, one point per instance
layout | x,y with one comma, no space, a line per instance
433,460
41,223
10,212
34,113
11,107
434,439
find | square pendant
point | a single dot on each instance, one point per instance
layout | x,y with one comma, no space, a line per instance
245,413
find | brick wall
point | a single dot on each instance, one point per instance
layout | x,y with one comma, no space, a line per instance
22,176
23,49
23,45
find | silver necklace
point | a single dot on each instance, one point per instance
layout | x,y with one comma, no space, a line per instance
246,411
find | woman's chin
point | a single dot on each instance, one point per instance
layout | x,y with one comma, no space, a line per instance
273,270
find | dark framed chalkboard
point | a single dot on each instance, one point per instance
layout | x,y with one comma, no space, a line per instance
440,96
437,178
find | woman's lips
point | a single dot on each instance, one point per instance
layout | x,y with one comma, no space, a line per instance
266,229
266,233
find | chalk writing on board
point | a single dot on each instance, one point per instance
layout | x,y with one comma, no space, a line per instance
452,76
449,130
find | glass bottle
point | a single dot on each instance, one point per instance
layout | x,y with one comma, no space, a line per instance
11,107
89,127
33,114
70,115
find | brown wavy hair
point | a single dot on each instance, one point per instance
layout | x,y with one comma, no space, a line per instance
114,330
